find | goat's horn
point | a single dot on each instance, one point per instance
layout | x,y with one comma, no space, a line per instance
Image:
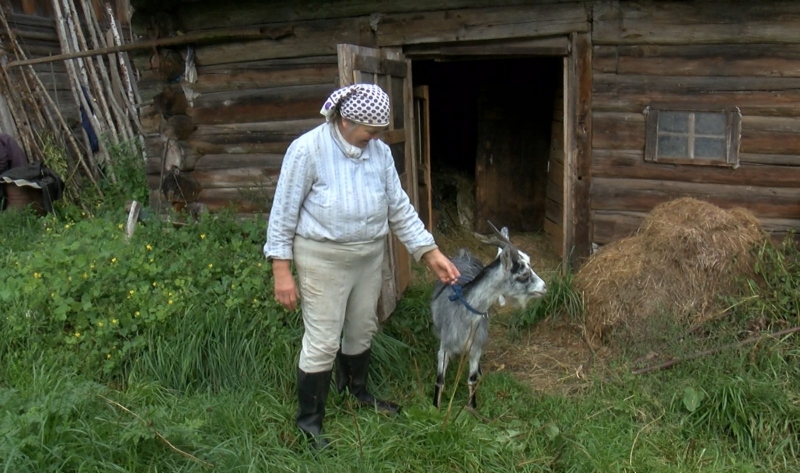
498,233
503,242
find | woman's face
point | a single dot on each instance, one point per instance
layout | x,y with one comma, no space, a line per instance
359,135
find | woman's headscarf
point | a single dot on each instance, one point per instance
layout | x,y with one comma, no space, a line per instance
366,104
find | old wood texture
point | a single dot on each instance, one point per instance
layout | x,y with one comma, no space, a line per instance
699,54
312,35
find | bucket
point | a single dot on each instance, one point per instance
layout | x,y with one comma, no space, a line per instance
19,197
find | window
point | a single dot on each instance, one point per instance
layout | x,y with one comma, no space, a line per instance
689,135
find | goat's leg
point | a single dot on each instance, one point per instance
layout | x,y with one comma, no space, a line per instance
474,375
441,369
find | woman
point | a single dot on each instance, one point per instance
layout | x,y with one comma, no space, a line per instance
338,196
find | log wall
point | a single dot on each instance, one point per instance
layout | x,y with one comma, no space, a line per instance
252,98
37,36
695,53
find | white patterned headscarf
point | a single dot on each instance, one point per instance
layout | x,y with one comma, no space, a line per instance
366,104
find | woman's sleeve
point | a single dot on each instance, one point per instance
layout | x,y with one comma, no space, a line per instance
294,183
403,218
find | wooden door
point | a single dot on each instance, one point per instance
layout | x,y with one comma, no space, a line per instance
422,134
389,69
510,174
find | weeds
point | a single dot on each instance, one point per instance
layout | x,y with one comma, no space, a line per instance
209,378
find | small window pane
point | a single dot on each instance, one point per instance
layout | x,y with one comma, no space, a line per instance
710,123
710,148
673,122
673,146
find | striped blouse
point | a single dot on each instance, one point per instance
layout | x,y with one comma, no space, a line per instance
323,195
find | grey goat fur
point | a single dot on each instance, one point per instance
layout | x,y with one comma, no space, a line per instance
455,321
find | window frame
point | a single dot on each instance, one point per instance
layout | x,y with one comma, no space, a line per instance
733,134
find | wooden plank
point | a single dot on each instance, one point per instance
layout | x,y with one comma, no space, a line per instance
374,65
784,103
556,234
275,11
610,226
308,38
219,79
31,20
640,195
320,36
767,142
212,162
551,46
237,178
243,200
473,24
618,130
692,85
554,211
258,105
584,129
776,159
728,60
631,165
707,22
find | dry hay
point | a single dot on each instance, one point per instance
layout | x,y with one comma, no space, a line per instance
685,254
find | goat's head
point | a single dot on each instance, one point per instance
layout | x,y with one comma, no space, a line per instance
521,283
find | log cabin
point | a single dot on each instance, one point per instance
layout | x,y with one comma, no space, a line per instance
574,117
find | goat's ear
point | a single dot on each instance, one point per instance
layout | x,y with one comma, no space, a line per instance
507,259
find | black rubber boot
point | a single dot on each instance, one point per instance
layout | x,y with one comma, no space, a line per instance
312,392
352,372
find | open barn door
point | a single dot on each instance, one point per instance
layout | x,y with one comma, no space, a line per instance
390,70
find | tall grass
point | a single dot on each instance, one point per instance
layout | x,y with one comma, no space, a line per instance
213,384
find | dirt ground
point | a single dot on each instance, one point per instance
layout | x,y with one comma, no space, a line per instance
551,356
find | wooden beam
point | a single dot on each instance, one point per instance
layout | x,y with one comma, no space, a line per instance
631,165
707,22
260,105
581,197
551,46
641,195
258,11
471,24
198,37
729,60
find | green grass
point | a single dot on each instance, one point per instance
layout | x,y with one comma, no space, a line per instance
215,379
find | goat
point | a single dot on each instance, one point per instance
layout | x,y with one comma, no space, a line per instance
461,316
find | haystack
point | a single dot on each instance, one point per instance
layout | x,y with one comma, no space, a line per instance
685,256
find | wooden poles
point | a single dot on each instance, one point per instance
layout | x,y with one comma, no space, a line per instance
107,102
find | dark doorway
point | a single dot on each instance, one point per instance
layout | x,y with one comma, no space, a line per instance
491,121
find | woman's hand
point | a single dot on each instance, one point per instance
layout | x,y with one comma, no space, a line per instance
445,270
285,288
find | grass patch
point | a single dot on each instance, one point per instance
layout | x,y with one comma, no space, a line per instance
213,373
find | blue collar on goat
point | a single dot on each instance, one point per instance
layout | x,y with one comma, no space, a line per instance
459,296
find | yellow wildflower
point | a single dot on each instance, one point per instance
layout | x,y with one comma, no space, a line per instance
210,265
202,236
108,355
149,247
77,334
113,260
114,321
169,302
136,314
131,292
100,324
119,226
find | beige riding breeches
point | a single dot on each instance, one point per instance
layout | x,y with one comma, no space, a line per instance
339,287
